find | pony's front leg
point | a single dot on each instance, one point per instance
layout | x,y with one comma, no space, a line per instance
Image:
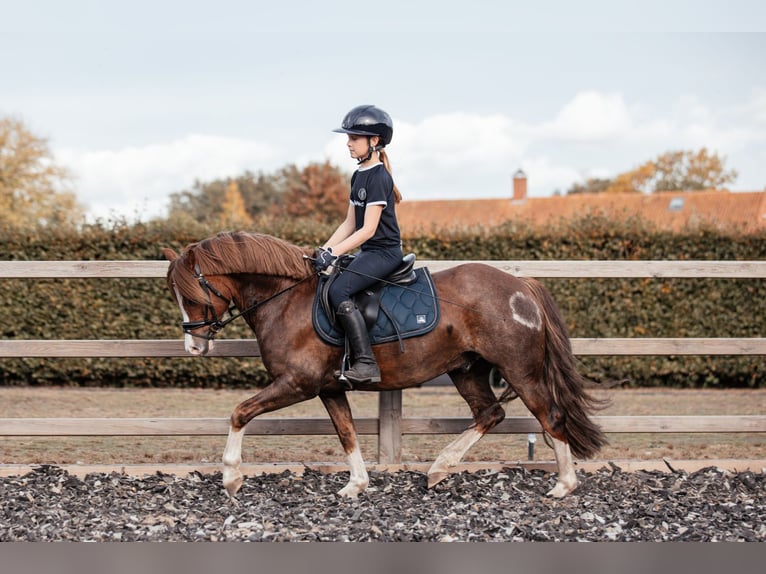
282,392
232,458
339,410
358,478
567,478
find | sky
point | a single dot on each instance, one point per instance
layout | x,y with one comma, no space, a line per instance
138,100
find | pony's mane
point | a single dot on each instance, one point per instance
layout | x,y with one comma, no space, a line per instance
237,252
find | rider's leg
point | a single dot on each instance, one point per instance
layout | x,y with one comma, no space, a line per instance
364,368
366,269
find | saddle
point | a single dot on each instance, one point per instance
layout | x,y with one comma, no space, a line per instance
402,305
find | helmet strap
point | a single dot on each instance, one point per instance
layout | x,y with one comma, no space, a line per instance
370,150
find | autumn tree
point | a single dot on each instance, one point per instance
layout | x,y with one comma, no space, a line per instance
233,213
32,187
635,181
688,170
670,171
319,193
207,202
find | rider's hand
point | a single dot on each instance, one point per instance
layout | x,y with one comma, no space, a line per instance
323,258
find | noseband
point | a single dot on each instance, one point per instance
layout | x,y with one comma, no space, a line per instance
214,323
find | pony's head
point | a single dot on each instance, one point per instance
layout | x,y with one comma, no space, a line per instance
199,278
203,301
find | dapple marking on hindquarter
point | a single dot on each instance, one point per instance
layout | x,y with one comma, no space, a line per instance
525,311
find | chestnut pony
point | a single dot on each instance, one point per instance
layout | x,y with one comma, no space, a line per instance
488,318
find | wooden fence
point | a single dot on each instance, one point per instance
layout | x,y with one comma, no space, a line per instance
390,424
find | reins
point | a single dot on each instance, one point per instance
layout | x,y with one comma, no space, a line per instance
217,324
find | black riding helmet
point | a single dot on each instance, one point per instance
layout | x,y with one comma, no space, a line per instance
368,120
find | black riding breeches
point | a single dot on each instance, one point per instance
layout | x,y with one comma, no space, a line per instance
367,268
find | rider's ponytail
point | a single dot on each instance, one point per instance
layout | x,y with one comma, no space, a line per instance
387,165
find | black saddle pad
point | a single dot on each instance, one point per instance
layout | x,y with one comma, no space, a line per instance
414,307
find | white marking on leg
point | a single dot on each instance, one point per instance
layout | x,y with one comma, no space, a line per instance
451,455
567,479
359,478
525,311
232,458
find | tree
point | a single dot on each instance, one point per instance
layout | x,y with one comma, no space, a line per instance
206,201
32,187
233,213
687,170
592,185
634,181
676,171
319,193
670,171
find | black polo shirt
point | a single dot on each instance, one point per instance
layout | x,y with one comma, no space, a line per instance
375,186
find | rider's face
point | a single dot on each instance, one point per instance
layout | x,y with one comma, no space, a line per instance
359,146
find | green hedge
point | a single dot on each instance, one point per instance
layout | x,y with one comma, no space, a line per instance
142,308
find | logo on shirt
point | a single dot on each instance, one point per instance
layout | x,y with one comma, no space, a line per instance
362,194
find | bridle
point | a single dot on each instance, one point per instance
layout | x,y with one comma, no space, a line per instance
211,320
214,323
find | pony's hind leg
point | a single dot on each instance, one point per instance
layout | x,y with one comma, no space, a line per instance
537,399
474,387
566,481
339,410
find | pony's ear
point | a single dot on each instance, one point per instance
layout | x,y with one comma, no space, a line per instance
170,255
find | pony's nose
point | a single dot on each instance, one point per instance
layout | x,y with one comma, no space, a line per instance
197,346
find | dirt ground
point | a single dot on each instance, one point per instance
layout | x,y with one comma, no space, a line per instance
442,401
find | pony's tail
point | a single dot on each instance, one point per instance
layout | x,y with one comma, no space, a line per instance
565,383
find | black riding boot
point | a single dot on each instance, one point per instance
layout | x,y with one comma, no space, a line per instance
364,368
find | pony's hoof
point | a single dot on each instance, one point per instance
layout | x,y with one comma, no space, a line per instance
561,490
349,491
435,478
232,481
355,487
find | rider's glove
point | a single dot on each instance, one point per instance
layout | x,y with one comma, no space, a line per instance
323,258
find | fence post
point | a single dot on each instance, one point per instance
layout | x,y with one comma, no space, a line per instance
390,427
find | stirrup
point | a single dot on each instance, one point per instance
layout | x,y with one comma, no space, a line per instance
344,381
345,363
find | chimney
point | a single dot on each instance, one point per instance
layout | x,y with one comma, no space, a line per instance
519,186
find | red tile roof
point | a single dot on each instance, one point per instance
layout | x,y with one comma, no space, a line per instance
744,211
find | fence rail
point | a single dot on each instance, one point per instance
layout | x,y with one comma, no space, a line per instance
170,426
390,425
542,269
126,348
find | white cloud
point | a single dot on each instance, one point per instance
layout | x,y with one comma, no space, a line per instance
590,115
460,140
136,181
694,125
